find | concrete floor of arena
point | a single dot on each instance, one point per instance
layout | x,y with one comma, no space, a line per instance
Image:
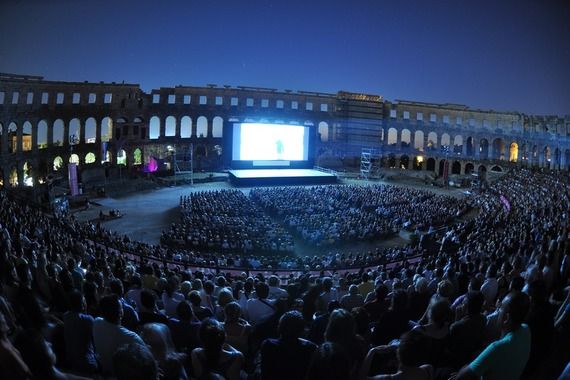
147,213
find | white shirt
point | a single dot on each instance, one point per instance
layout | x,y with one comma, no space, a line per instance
276,292
490,289
108,338
171,303
259,311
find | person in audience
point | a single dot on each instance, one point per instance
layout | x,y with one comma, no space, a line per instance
199,311
12,365
134,362
184,329
513,348
78,332
149,312
130,317
216,356
157,337
275,292
467,334
353,299
108,334
260,309
394,322
237,329
288,356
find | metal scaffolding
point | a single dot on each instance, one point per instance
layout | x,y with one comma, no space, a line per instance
369,163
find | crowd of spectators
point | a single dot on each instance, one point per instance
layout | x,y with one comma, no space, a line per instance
226,221
329,215
492,302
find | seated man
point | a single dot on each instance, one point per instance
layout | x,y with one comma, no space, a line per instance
289,356
506,358
108,334
78,334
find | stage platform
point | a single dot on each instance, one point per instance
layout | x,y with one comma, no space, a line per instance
264,177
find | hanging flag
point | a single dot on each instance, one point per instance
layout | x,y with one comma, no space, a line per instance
505,203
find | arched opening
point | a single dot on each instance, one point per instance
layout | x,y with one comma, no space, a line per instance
456,167
557,157
419,140
497,169
170,127
185,127
392,136
514,152
406,138
484,149
470,143
391,161
12,138
90,131
217,127
498,149
445,140
482,170
458,145
27,136
154,131
546,155
90,158
106,129
430,164
404,162
432,141
122,157
441,167
27,174
202,127
74,132
58,133
57,163
137,157
107,158
469,168
74,159
323,131
42,137
418,162
13,178
567,159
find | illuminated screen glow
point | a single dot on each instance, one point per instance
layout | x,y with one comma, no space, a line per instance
270,142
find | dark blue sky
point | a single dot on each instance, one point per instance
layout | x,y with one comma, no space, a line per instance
500,54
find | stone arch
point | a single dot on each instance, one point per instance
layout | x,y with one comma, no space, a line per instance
432,142
186,127
441,167
27,136
482,169
404,162
57,163
419,140
469,167
42,136
202,126
74,132
484,149
27,174
418,163
169,127
90,131
106,129
392,136
513,152
121,157
497,168
13,177
430,164
12,137
154,128
470,146
405,138
324,131
74,159
498,149
90,158
217,127
137,157
445,140
458,144
456,167
107,158
391,161
557,158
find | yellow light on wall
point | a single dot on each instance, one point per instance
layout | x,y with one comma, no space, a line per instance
420,159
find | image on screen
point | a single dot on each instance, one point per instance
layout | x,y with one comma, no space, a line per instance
270,142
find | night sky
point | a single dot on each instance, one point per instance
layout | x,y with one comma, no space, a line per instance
500,54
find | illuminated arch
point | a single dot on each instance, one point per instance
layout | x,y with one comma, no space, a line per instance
484,149
169,127
445,139
392,136
432,141
13,178
57,163
74,130
137,157
121,157
458,144
27,174
12,137
106,129
202,127
419,140
154,129
27,136
514,152
324,131
405,138
186,127
90,158
90,131
217,127
42,137
74,159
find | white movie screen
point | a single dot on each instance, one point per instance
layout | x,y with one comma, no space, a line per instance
270,142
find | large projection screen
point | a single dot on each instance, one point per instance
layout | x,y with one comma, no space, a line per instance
270,144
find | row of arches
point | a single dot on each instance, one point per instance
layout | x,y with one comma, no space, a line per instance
434,165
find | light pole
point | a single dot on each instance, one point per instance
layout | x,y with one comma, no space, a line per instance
172,151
